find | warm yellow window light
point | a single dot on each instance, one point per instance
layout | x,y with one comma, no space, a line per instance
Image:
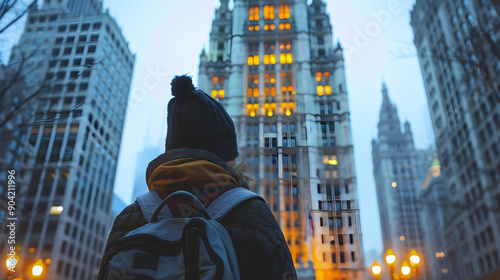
266,27
266,59
250,28
273,91
318,76
288,112
257,28
320,91
288,46
273,80
394,184
283,89
249,92
56,210
253,13
250,60
282,46
221,93
282,58
289,58
215,80
328,90
272,59
288,26
270,113
272,27
284,11
255,92
252,114
290,88
402,238
268,12
214,93
256,59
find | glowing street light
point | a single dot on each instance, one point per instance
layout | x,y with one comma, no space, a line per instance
405,270
37,269
376,269
390,259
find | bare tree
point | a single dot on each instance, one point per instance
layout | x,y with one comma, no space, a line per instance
12,11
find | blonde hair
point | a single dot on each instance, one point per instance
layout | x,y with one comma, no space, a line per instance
244,176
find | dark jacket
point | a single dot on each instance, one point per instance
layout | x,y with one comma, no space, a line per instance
259,243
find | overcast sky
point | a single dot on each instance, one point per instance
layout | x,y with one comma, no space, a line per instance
168,36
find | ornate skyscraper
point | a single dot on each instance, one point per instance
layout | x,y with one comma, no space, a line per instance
399,169
275,68
82,67
458,45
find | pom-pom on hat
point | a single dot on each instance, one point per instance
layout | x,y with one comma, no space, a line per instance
197,121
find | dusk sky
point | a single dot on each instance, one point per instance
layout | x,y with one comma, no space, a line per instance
167,38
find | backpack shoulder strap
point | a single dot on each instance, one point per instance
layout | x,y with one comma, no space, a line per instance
148,203
228,200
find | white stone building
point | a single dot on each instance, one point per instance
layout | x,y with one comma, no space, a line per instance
275,68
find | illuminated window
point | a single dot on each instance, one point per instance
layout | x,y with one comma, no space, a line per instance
268,109
253,13
323,83
215,80
270,59
287,108
285,26
283,58
56,210
253,60
269,27
268,12
286,58
221,93
254,27
284,11
252,109
328,90
330,160
320,90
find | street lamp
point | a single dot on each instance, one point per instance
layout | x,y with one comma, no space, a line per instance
414,261
405,271
376,269
37,269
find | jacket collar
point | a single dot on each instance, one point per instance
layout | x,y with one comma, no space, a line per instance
187,168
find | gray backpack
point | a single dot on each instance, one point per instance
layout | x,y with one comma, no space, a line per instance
178,248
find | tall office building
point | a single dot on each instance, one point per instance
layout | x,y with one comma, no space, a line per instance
435,205
275,68
84,66
399,169
458,48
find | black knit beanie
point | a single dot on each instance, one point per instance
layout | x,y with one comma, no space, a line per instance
195,120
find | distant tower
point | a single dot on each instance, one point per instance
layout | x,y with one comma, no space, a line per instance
399,170
84,66
275,68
